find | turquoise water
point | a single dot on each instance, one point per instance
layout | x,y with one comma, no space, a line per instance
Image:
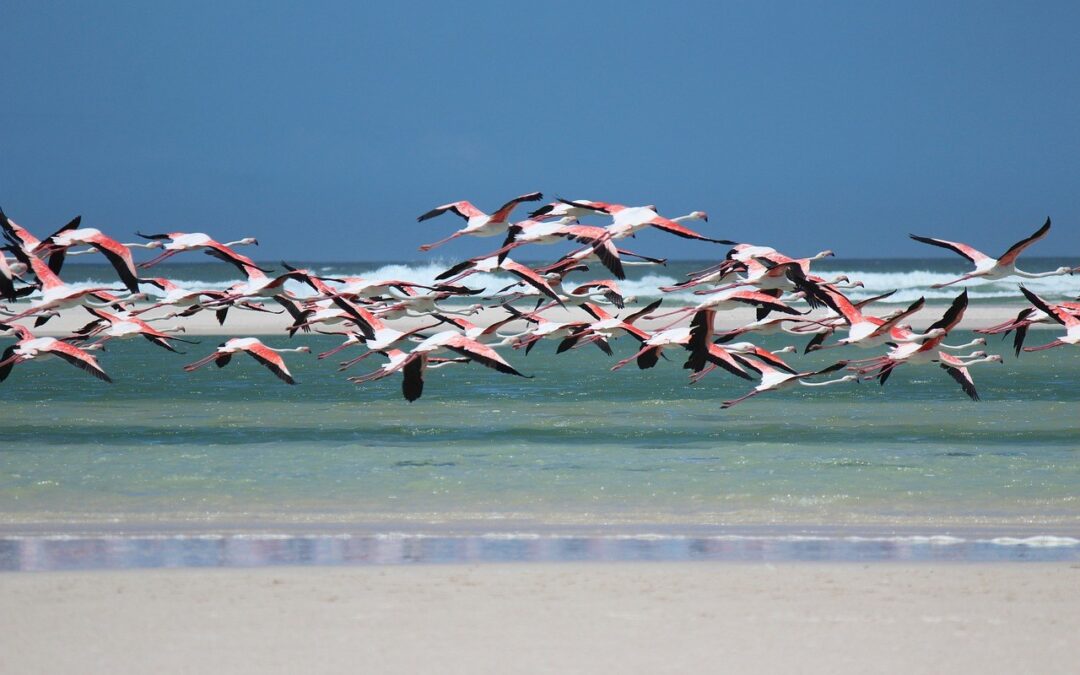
166,467
577,445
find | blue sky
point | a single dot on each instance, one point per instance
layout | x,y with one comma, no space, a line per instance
325,128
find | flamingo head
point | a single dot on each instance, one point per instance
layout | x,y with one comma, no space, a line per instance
790,349
249,240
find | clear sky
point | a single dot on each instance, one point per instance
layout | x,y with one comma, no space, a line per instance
325,128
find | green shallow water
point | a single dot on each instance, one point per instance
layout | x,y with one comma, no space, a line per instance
577,446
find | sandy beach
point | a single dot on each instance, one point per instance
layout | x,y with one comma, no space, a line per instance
240,322
566,618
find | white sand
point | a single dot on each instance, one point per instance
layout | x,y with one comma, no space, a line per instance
240,322
556,618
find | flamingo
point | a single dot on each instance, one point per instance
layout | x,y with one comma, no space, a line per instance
695,338
491,263
413,363
118,255
23,239
628,220
55,294
113,326
29,347
478,223
871,331
9,273
1025,319
545,328
1059,314
732,299
412,369
775,380
601,288
927,351
267,356
177,242
995,268
607,327
958,370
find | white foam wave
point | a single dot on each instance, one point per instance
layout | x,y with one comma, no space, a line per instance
908,285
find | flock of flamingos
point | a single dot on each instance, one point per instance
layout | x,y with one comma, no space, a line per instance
787,295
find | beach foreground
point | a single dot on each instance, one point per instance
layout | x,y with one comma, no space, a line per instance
567,618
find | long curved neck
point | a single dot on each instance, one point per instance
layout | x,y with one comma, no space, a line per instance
1039,275
963,346
825,383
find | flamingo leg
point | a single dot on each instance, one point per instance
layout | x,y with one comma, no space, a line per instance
735,401
150,263
201,362
428,247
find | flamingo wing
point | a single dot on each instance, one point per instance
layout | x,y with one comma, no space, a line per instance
503,212
968,252
953,314
463,209
78,358
956,370
1056,312
481,353
412,382
272,360
529,276
1009,257
678,230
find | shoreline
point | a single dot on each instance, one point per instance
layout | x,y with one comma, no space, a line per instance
244,322
59,551
574,617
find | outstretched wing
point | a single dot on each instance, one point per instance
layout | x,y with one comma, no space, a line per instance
968,252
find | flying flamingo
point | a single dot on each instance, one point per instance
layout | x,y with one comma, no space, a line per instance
695,338
958,370
55,294
1059,314
9,273
413,363
478,223
1025,319
118,255
774,380
628,220
732,299
412,368
29,347
607,327
927,351
21,237
177,242
267,356
490,263
995,268
113,326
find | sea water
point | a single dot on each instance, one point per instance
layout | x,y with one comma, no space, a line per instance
628,465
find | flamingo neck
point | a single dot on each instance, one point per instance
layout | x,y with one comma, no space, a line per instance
1038,275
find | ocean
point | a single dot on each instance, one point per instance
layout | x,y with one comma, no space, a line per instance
232,467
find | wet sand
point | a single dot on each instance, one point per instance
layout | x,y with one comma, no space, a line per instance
566,618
